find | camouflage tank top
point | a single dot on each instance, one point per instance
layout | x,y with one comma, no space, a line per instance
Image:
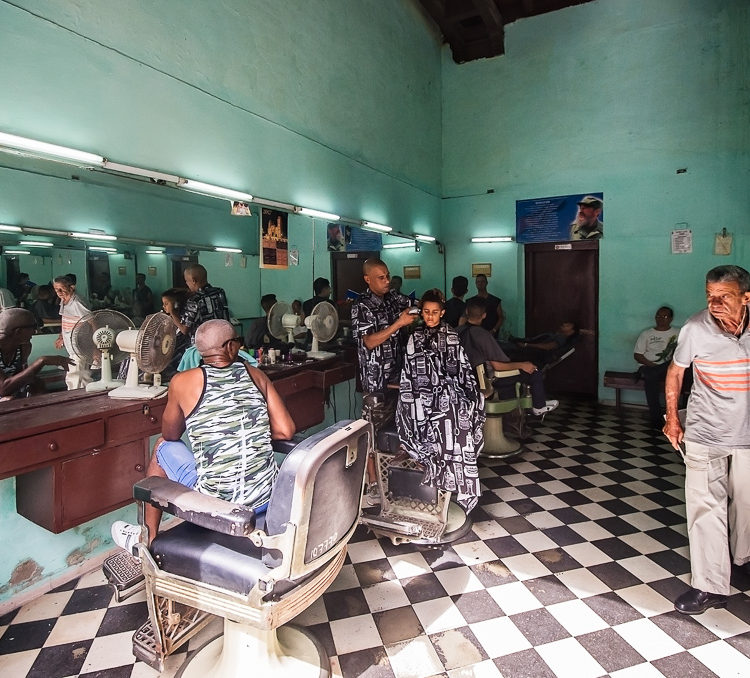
230,433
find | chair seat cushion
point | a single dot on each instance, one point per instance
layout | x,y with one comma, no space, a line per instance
231,563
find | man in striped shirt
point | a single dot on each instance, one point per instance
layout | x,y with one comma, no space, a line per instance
716,436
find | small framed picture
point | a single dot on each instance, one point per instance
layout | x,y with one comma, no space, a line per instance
122,270
481,269
152,270
412,272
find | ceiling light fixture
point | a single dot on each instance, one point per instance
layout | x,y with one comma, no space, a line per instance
494,238
97,248
43,148
35,243
140,172
10,229
379,228
217,191
232,250
93,236
16,252
154,251
317,213
424,238
397,245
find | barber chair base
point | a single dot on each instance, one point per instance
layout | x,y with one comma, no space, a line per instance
242,650
496,444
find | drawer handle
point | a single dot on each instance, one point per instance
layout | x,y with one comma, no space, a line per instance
52,447
153,419
139,468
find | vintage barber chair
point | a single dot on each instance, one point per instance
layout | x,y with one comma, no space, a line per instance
256,574
410,511
496,444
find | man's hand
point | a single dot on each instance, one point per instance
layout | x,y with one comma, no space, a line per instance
406,317
527,367
673,430
59,342
57,361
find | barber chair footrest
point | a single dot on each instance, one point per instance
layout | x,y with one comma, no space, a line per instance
125,574
287,652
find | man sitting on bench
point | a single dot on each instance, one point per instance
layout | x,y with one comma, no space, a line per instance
481,347
231,412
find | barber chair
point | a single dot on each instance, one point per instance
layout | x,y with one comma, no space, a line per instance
410,511
257,572
496,444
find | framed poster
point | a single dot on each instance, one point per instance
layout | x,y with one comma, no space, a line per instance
560,218
274,239
481,269
412,272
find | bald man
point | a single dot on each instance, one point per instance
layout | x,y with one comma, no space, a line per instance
231,412
205,303
17,325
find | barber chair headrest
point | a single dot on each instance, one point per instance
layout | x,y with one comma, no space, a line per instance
388,440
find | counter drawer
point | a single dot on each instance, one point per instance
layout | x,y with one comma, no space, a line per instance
30,452
143,422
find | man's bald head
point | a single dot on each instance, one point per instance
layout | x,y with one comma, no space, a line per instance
371,264
12,319
210,336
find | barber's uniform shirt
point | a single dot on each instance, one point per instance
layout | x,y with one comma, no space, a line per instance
718,412
381,365
208,303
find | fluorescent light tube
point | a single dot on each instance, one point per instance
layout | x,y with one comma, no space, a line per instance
43,148
154,251
317,213
233,250
494,238
425,238
35,243
218,191
102,249
10,229
16,252
372,226
397,245
94,236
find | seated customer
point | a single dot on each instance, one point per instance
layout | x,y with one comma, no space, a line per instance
259,336
231,412
17,325
321,290
481,348
653,351
544,348
440,411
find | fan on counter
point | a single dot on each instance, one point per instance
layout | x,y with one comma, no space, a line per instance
276,319
323,323
93,341
150,349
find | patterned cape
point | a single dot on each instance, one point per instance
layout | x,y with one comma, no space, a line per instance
440,412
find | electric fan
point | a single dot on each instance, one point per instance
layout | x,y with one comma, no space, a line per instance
93,341
276,315
150,349
323,323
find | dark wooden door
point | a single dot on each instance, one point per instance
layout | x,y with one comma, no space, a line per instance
346,269
562,284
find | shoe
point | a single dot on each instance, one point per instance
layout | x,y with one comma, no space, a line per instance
125,535
541,411
372,494
694,601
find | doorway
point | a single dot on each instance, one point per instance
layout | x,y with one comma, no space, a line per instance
346,270
179,264
562,284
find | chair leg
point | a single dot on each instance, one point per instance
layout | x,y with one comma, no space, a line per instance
287,652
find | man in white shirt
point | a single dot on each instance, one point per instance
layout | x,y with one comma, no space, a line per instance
653,350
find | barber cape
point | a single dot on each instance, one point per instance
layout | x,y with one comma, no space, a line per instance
440,412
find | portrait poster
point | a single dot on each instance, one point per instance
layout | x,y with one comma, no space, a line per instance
274,239
560,218
336,239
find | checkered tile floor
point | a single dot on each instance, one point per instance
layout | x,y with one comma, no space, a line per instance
577,551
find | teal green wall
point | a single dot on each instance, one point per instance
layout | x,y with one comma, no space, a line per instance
323,103
611,96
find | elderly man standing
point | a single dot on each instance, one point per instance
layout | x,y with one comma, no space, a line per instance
716,436
378,318
206,302
231,412
17,325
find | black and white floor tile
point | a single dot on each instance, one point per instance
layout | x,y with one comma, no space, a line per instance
577,551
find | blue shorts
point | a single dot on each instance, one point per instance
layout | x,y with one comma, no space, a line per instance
178,462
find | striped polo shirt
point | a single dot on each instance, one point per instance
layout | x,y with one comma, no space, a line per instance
718,412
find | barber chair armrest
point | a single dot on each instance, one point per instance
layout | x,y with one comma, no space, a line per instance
195,507
501,374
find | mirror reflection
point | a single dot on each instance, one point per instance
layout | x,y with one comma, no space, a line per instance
133,276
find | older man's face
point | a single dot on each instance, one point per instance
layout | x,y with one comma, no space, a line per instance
587,215
725,301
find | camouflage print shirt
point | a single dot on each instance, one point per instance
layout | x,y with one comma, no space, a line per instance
381,365
230,435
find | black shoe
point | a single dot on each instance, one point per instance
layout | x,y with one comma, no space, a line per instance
694,601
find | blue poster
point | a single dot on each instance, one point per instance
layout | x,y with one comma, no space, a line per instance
560,218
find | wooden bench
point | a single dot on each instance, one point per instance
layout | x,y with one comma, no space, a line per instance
620,381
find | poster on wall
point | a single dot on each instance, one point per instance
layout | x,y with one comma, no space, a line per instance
336,239
560,218
274,239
